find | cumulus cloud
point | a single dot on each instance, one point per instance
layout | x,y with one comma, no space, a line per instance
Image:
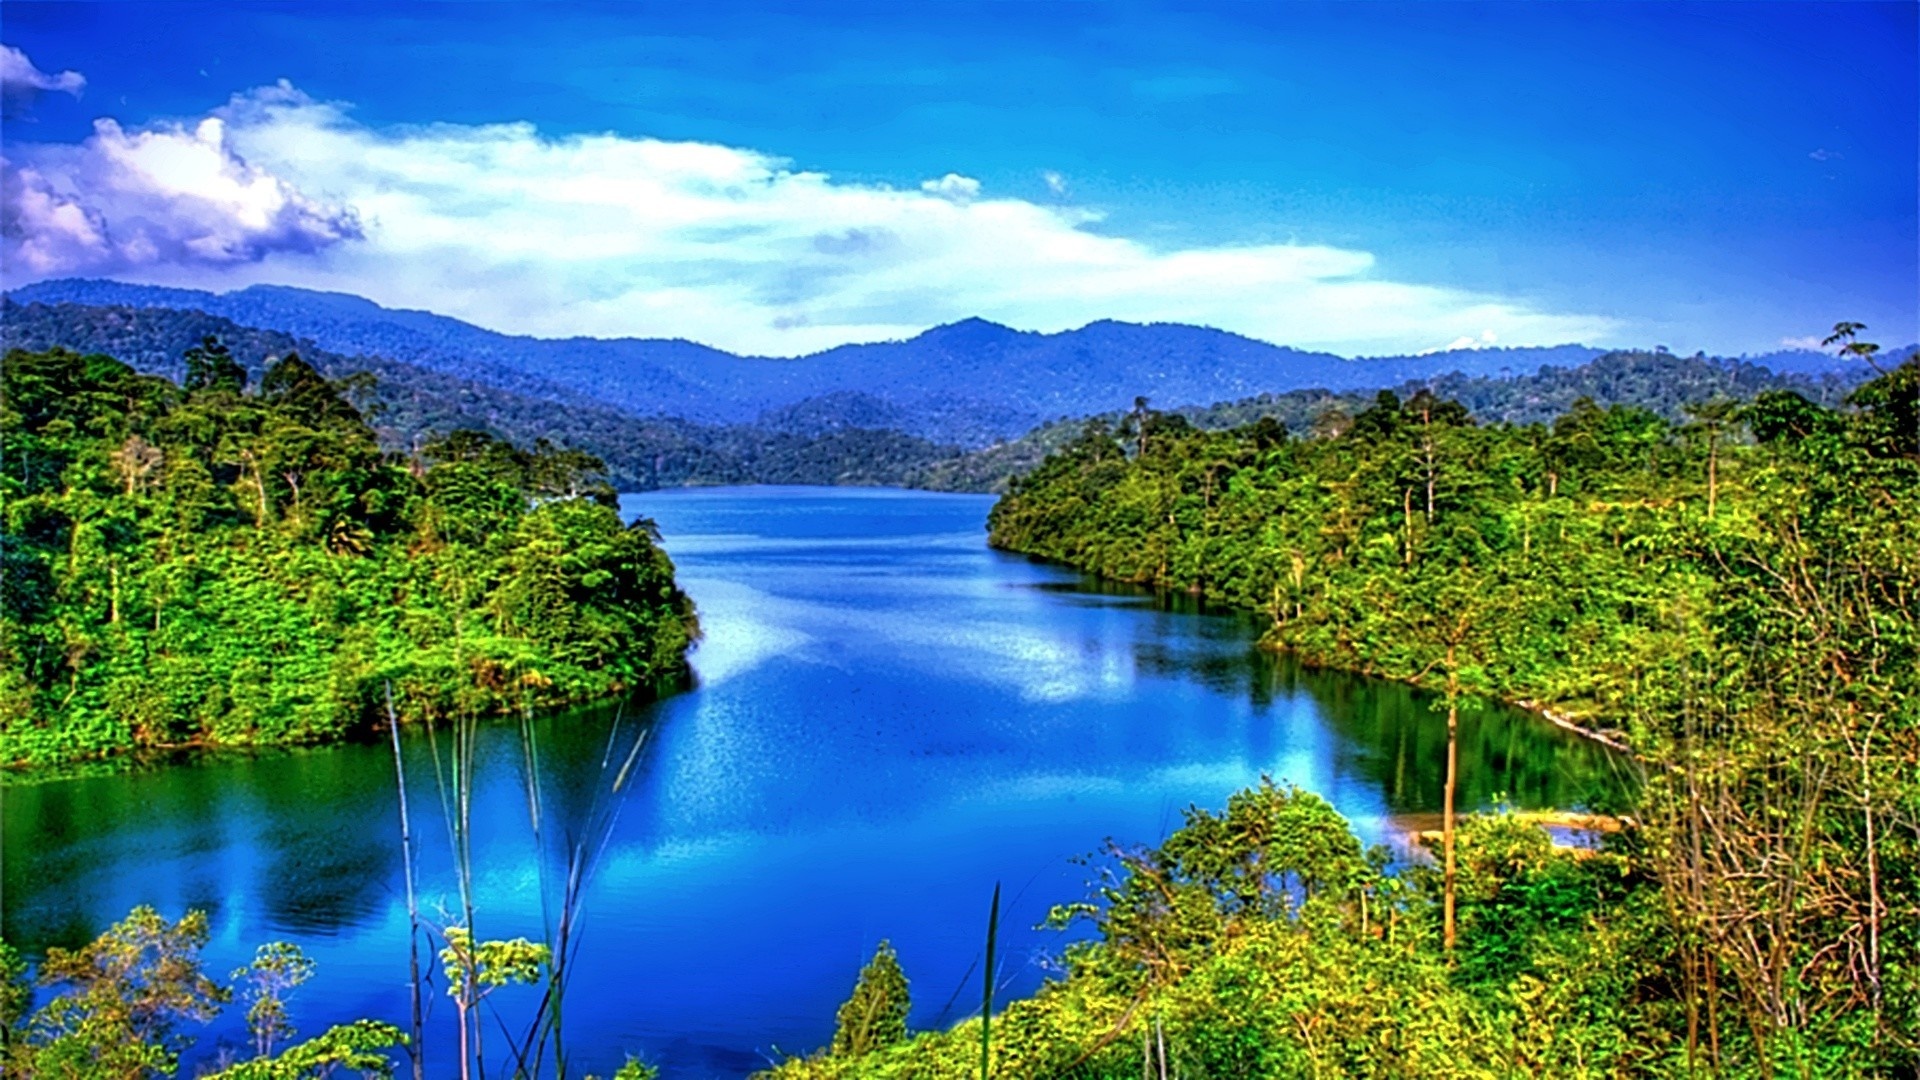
21,82
1810,342
18,72
1056,183
608,234
953,187
172,196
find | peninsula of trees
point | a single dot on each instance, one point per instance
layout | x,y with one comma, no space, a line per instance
213,564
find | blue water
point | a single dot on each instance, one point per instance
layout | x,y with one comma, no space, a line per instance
888,719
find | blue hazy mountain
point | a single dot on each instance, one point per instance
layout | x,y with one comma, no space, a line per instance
966,383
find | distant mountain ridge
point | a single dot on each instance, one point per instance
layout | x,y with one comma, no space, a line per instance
968,383
412,404
851,436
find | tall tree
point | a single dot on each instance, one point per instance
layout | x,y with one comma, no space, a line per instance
875,1014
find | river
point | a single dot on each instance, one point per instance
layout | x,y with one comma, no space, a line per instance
888,718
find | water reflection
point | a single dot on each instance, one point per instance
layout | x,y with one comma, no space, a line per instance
1388,732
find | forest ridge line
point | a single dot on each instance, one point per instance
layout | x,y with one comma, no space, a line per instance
967,384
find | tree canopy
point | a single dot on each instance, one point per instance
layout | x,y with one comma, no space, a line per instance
219,564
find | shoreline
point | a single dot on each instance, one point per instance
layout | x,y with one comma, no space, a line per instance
1565,721
1612,740
138,759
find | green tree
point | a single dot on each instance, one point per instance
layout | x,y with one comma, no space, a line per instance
875,1015
212,368
225,567
475,969
278,968
119,1000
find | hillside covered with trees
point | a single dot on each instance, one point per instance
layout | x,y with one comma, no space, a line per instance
1658,381
845,440
1733,596
844,437
236,561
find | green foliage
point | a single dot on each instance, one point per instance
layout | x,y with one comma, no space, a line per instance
1276,853
1347,981
875,1015
119,1001
220,568
16,988
635,1069
1659,383
358,1046
278,968
476,968
1743,611
1571,564
410,405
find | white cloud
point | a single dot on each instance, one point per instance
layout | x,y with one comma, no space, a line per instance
169,197
17,74
1056,183
1809,342
953,187
606,234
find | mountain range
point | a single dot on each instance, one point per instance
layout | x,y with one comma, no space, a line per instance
410,405
966,384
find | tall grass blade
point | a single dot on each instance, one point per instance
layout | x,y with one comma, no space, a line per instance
986,1003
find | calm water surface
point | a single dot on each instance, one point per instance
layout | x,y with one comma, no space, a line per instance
888,719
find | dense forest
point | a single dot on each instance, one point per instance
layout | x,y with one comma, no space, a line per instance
841,437
1659,381
1733,596
1725,586
236,561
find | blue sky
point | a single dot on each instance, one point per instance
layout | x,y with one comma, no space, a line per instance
1367,177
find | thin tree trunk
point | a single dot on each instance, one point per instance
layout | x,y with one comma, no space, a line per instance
1453,773
466,1056
1160,1036
1873,874
1426,425
1406,516
1713,476
416,1049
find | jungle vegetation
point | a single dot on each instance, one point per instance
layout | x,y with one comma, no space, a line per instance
424,391
1657,380
236,561
123,1007
1733,595
1730,592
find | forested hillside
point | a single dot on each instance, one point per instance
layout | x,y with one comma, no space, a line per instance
1734,596
851,436
1659,381
830,442
969,383
234,560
